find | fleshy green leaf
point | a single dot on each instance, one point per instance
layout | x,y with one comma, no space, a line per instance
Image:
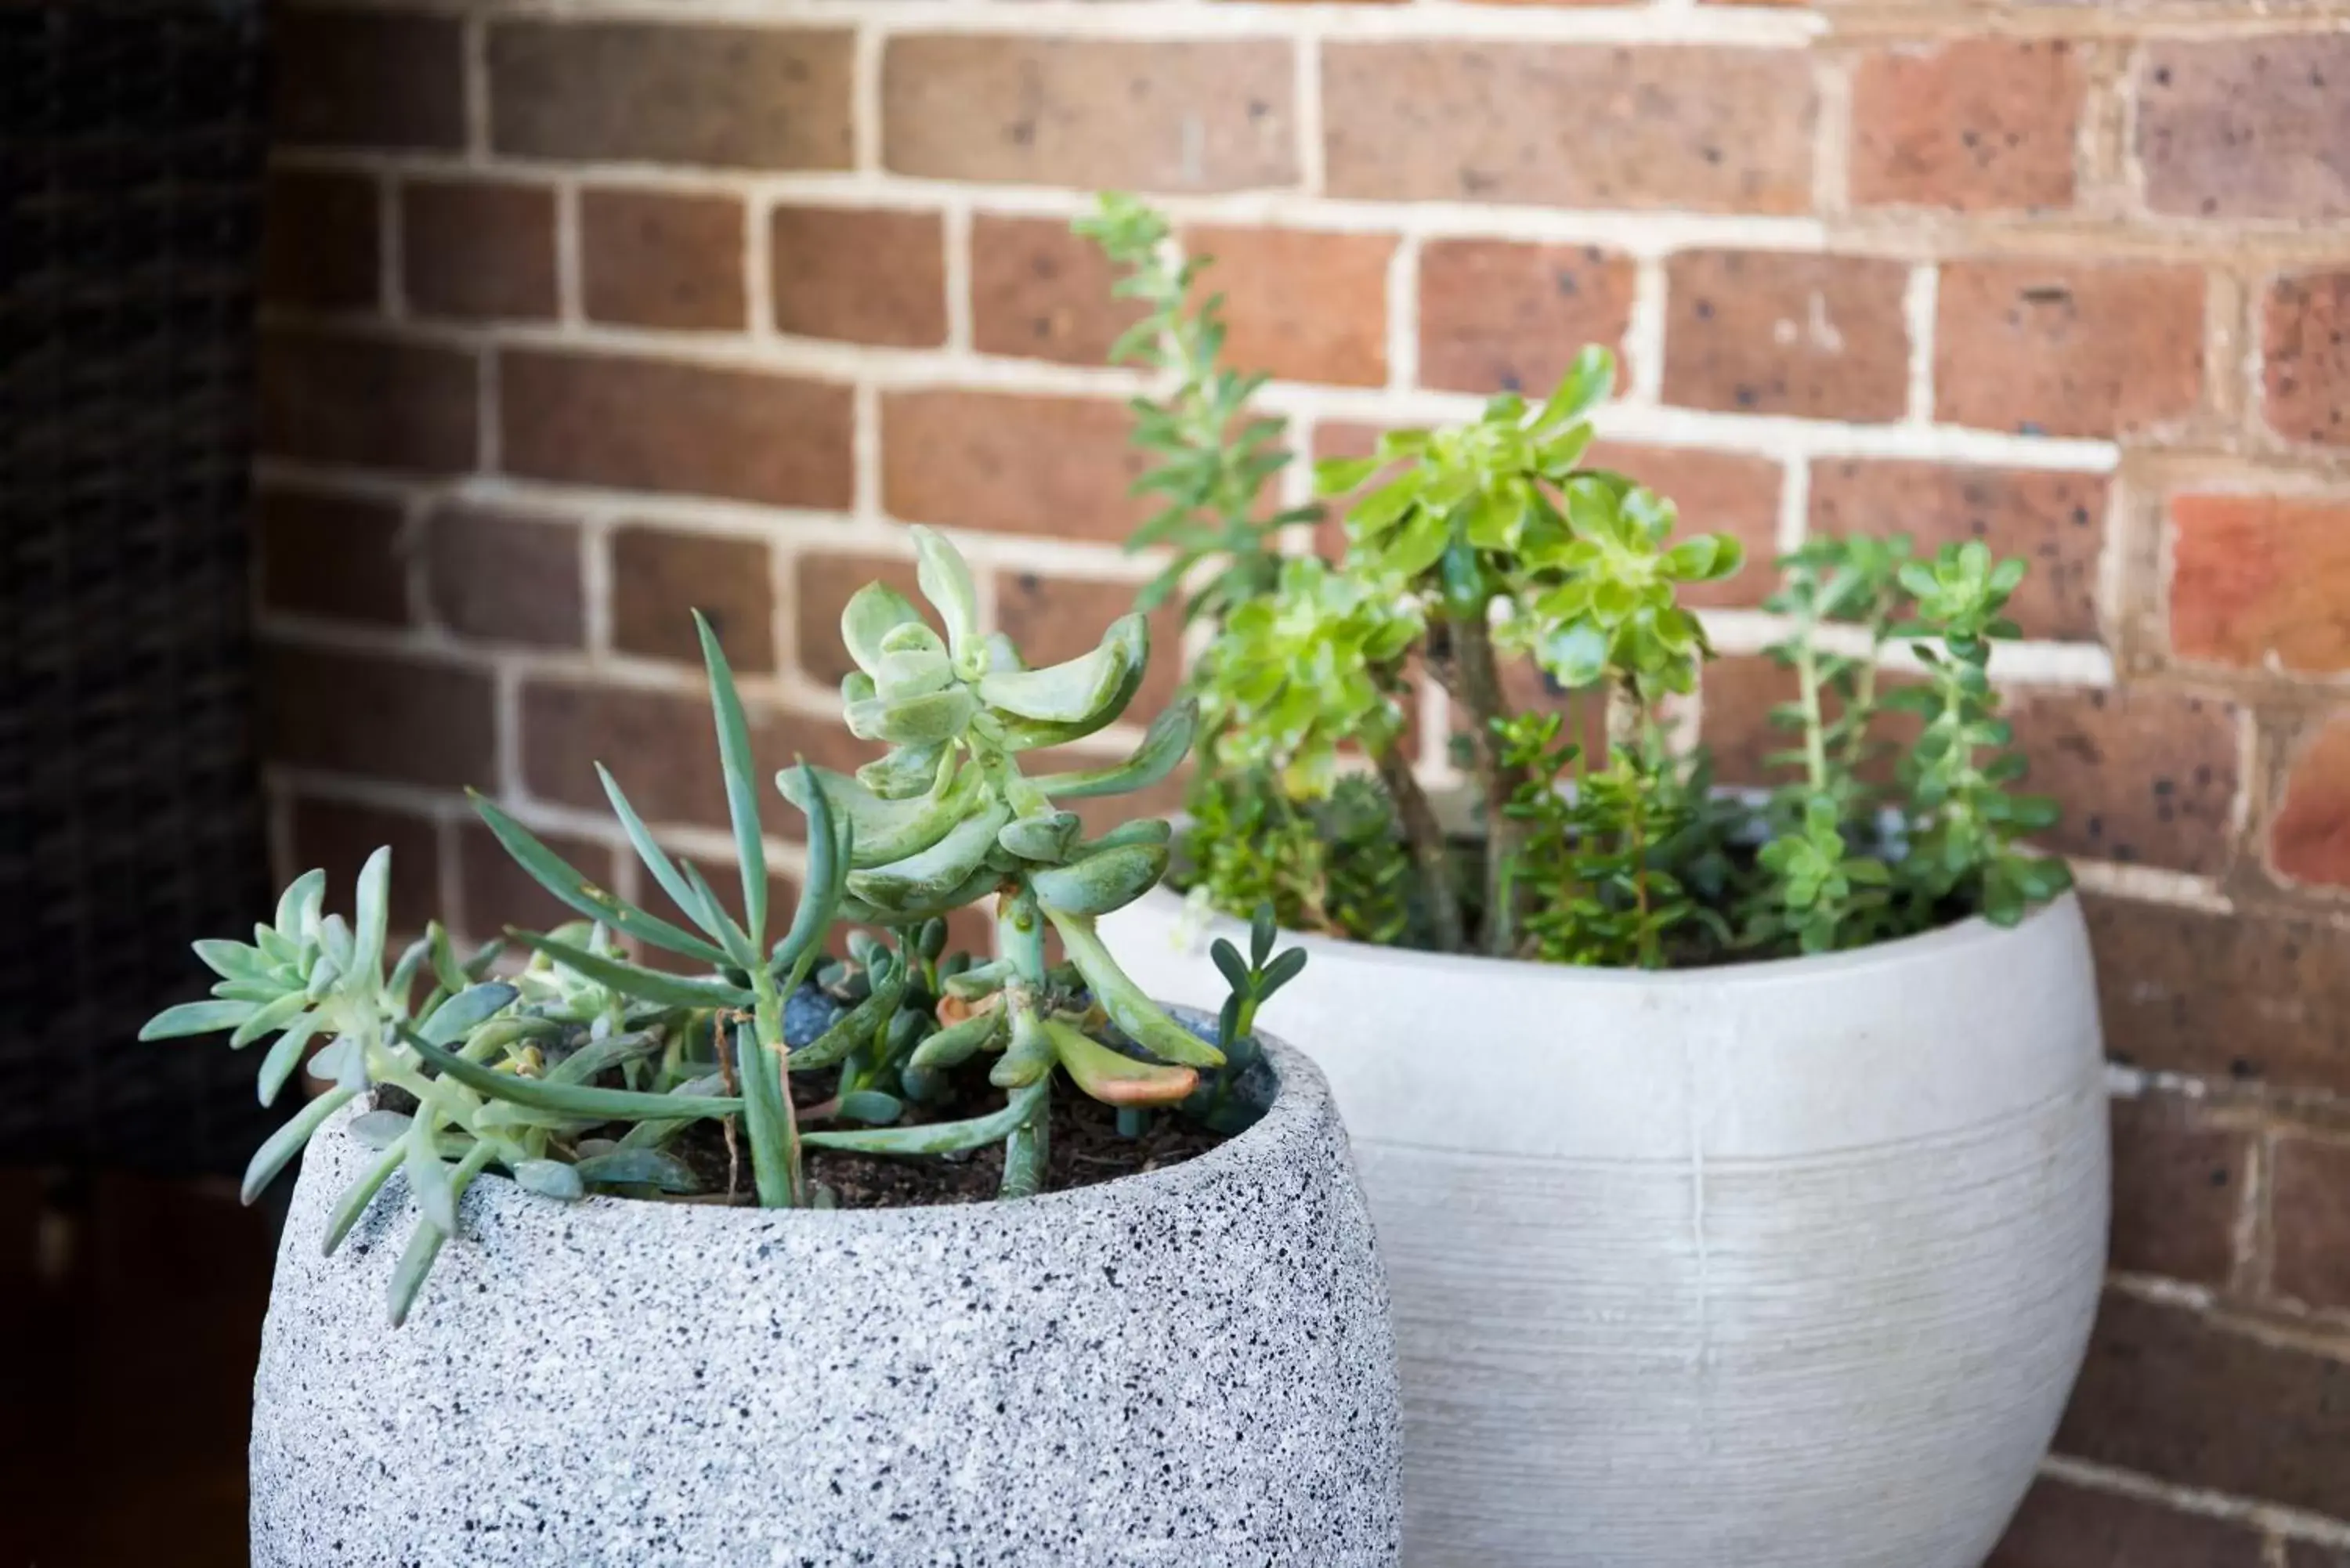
945,581
286,1142
570,1099
196,1018
741,788
552,873
634,979
938,1138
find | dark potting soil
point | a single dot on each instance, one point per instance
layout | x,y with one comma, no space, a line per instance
1084,1147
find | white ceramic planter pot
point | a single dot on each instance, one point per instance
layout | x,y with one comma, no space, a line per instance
1785,1265
1191,1366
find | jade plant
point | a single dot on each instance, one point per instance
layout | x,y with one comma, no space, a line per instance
576,1068
1493,546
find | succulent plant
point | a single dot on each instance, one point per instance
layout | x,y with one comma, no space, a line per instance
1494,537
582,1069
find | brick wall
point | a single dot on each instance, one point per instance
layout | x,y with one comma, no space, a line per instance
584,313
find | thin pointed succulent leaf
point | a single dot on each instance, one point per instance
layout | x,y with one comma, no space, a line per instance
1115,1079
634,979
870,1106
656,859
256,991
1106,880
598,1054
359,1194
768,1118
1163,748
342,1062
286,1142
381,1130
550,1178
303,894
232,960
713,915
638,1168
945,580
1281,971
272,1015
570,1099
1262,931
742,787
1136,1014
872,613
371,920
196,1018
552,873
447,973
428,1176
1227,959
851,1029
1077,689
831,851
285,1056
938,1138
471,1007
408,1275
404,972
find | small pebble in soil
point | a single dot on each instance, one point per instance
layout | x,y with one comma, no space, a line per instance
811,1011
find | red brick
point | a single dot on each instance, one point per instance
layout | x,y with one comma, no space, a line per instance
1696,127
2178,1190
1007,461
2305,357
822,587
2146,777
644,424
2246,127
651,258
501,577
2261,582
1090,112
1715,492
1736,695
2185,1398
321,240
2219,996
478,248
343,398
860,277
2067,348
2310,1224
661,577
376,716
1299,306
1042,293
494,892
661,747
2055,522
337,836
1498,316
666,92
2065,1526
2310,1554
332,555
368,78
1053,618
2310,840
1787,333
1974,124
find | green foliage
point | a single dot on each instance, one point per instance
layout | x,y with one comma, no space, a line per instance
1491,538
579,1071
1211,458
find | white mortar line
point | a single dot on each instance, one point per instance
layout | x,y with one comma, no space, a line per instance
391,263
1794,508
489,395
865,93
1832,136
1306,112
2288,1522
595,586
1644,333
570,256
1157,20
866,453
475,45
1403,314
961,306
2152,885
759,269
1918,301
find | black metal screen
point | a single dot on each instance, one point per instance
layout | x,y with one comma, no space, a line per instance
130,151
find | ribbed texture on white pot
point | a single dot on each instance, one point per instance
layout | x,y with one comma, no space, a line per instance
1781,1265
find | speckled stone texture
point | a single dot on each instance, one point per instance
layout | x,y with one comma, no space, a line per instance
1191,1367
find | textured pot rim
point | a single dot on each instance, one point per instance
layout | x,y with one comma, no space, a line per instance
1300,1101
1957,939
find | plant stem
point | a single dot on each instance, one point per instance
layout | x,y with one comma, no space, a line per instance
1807,674
1478,684
1424,837
759,1055
1020,937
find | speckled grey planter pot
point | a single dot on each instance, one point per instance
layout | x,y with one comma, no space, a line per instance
1191,1367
